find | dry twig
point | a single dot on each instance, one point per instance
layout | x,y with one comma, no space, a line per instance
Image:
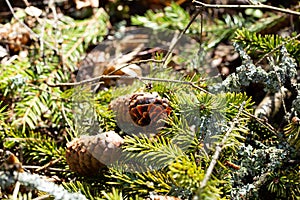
259,6
52,162
128,77
180,35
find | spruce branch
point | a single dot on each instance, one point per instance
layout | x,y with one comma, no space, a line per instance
292,132
85,34
266,45
277,48
216,155
155,153
141,182
258,6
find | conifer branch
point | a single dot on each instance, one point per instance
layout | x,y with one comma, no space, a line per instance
216,155
85,34
277,48
258,6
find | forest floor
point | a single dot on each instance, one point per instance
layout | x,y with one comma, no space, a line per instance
149,99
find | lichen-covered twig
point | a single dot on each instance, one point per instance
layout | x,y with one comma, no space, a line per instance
36,182
216,155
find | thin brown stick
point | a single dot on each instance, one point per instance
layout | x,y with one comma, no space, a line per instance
98,78
259,120
16,190
128,77
172,47
52,162
259,6
49,168
26,3
66,118
46,196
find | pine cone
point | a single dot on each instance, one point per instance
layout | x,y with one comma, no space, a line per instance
16,35
141,112
88,154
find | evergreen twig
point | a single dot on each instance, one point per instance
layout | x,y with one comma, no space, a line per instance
277,48
85,34
261,122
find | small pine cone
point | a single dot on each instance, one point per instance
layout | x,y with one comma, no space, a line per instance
88,154
141,112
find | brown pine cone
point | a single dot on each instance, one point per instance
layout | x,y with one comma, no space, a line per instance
141,112
16,35
88,154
